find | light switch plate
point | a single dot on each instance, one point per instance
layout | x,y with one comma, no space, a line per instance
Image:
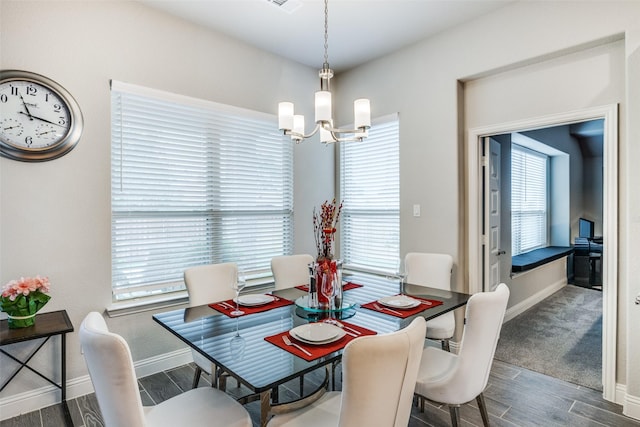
416,210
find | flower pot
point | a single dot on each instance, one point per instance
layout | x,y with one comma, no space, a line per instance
16,322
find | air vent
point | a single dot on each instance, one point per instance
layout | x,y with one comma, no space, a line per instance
288,6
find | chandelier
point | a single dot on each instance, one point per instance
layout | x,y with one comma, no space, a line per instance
293,124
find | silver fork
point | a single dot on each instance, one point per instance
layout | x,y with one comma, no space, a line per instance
287,341
379,307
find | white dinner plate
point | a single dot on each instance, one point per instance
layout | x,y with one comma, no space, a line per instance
399,301
317,333
254,299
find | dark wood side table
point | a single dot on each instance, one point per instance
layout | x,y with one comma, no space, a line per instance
46,326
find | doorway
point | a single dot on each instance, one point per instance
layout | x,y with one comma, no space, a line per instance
478,247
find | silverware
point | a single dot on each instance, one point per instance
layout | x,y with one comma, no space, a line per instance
379,307
287,341
226,305
425,302
347,329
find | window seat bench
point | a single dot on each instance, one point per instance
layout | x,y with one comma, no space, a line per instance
538,257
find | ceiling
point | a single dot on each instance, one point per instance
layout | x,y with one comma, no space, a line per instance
359,30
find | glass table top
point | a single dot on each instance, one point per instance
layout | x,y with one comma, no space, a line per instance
238,346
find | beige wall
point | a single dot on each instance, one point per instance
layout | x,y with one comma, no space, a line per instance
55,216
422,84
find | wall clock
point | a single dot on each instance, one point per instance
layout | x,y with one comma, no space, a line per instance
39,119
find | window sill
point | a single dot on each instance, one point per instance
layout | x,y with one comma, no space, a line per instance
538,257
140,305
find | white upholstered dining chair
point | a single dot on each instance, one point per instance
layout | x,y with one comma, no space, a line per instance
433,270
379,374
113,376
207,284
290,270
455,379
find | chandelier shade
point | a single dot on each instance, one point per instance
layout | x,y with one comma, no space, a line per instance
293,124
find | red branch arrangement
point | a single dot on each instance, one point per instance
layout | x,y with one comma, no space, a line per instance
325,225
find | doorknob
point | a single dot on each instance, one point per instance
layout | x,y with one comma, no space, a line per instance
501,253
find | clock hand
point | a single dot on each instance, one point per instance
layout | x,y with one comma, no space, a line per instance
40,118
25,107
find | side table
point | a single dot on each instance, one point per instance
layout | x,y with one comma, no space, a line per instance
46,326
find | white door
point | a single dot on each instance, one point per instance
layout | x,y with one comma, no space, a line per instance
492,207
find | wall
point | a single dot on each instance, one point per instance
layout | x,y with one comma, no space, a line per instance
422,83
55,216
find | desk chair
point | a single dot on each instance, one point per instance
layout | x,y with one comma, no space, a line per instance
207,284
113,376
379,374
455,379
434,270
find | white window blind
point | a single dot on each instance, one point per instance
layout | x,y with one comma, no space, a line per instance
193,182
370,191
529,189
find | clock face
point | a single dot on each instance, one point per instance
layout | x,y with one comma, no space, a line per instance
38,119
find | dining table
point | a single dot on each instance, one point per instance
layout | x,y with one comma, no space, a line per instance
251,348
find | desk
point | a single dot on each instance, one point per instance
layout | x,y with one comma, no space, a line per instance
263,366
46,326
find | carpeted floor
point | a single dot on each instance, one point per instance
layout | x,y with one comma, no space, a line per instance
560,337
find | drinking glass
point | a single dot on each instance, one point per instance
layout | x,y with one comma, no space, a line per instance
328,289
237,286
237,344
401,273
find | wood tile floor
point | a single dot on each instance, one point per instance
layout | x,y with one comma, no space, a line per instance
514,396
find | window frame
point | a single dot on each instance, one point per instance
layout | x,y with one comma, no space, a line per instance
243,125
387,254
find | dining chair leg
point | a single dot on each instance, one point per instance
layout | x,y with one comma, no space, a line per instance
454,410
483,409
445,345
196,377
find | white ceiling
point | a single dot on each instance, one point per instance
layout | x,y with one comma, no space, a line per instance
359,30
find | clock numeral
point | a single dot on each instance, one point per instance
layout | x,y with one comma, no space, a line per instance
62,121
31,90
14,91
28,140
56,107
3,97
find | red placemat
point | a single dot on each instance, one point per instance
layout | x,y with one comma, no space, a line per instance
317,351
403,312
346,287
222,307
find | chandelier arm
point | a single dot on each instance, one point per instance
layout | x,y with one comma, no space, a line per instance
333,130
300,135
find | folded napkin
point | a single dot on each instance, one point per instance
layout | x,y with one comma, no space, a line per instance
317,351
346,287
223,306
403,312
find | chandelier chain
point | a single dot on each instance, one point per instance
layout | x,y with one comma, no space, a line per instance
326,31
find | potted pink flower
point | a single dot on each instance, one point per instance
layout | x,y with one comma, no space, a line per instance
21,299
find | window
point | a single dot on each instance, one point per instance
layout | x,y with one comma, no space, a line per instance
529,206
370,191
193,182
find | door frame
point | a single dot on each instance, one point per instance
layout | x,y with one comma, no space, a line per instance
610,216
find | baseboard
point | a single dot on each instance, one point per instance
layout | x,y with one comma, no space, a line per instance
42,397
631,406
534,299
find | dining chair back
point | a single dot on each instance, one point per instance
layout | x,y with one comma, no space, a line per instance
112,373
210,283
207,284
432,270
457,379
379,376
291,270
